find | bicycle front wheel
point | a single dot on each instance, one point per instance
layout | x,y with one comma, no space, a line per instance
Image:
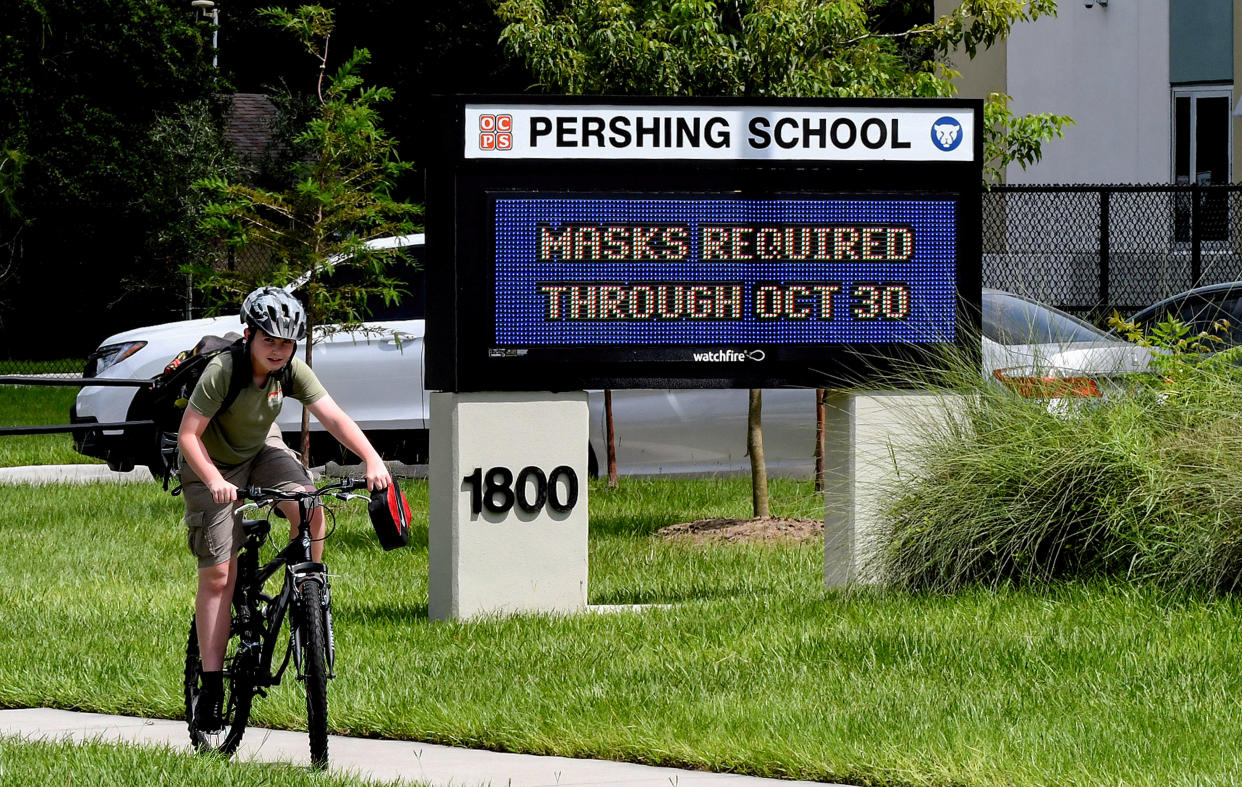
238,694
314,650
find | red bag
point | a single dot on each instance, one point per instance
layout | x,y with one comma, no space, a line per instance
390,515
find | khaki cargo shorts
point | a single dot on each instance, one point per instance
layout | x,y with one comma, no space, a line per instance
213,530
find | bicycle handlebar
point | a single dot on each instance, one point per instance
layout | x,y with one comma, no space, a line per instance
264,495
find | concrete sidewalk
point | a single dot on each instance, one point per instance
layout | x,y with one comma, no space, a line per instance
378,760
71,474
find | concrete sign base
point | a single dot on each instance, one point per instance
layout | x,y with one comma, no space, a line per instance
508,508
871,434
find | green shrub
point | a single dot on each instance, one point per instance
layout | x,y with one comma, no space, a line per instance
1144,484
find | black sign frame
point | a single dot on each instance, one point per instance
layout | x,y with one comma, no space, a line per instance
461,354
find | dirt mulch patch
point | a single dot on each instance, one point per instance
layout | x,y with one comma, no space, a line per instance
759,529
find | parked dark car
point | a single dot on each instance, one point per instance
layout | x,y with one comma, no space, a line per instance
1201,308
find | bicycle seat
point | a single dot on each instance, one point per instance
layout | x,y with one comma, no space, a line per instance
251,526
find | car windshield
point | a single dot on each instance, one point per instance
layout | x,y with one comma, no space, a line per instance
1009,319
1216,311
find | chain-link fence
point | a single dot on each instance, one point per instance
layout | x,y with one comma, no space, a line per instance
1091,250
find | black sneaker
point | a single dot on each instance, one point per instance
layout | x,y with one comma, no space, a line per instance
209,710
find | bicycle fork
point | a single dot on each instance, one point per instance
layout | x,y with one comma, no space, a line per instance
317,573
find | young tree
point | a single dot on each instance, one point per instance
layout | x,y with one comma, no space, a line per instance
808,48
339,199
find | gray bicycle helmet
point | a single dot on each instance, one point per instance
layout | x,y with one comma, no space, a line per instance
275,312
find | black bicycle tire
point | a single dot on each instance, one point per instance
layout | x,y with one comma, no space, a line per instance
238,698
314,651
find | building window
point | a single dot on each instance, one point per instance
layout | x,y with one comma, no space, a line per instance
1202,141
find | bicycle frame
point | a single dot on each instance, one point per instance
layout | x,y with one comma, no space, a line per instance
262,632
257,619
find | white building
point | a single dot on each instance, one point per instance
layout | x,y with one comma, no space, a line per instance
1149,83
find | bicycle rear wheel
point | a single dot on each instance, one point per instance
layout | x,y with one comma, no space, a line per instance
238,695
314,650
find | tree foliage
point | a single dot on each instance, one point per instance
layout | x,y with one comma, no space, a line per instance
420,49
184,145
10,179
339,195
1015,139
80,82
809,48
81,92
11,220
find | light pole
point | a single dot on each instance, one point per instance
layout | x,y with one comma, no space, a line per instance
209,11
208,7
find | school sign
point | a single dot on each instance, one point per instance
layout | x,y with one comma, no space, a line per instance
584,243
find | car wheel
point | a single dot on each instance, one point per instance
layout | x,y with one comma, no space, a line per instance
120,465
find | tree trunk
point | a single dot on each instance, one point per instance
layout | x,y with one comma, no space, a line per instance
612,440
754,447
820,418
306,436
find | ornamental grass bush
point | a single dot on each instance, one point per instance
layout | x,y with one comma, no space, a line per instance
1144,484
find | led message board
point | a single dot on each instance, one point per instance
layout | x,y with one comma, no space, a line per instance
633,269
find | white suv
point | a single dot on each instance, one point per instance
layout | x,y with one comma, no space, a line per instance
353,366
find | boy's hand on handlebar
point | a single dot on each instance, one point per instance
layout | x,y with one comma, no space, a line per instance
222,491
378,476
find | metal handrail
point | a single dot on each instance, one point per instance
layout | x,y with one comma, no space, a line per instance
82,427
19,379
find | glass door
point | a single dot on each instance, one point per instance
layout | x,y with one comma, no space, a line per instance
1202,142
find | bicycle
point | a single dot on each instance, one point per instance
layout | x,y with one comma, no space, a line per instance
258,618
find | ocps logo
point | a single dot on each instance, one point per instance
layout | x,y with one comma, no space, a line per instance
495,132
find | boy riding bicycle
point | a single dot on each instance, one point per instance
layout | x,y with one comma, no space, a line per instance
221,451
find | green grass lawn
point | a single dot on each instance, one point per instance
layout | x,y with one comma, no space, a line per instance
37,406
754,668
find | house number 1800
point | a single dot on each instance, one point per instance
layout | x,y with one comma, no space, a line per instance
497,491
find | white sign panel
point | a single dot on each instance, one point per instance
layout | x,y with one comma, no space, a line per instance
621,132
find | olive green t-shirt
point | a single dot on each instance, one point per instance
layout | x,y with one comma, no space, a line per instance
238,433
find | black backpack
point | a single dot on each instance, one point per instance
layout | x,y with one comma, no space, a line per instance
164,402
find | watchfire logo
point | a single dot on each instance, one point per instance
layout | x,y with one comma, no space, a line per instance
496,132
729,356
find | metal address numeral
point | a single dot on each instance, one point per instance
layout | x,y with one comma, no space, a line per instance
496,491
